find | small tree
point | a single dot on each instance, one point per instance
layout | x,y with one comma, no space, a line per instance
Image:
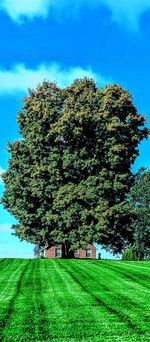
140,198
129,254
68,177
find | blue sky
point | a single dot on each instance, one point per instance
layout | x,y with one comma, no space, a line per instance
61,40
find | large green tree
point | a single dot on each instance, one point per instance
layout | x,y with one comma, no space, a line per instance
68,176
140,199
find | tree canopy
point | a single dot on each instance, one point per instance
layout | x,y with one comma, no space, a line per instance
69,175
140,198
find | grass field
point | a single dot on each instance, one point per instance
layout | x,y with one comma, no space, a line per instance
74,300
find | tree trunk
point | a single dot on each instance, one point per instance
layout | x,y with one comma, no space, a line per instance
66,253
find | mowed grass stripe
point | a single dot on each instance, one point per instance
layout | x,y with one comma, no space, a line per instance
87,299
132,274
85,318
130,295
26,324
10,291
121,286
135,294
9,278
73,300
65,304
3,262
111,310
63,300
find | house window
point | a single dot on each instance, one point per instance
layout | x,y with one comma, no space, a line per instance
58,252
41,254
88,253
76,251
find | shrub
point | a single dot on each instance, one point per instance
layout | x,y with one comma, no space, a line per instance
129,254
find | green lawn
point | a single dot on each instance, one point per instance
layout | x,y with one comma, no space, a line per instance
74,300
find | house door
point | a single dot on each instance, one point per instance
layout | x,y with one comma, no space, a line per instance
58,252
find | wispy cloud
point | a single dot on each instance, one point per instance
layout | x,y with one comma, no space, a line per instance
4,227
20,78
124,12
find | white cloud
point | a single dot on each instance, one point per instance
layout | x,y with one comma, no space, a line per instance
1,170
4,227
20,78
127,12
124,12
18,9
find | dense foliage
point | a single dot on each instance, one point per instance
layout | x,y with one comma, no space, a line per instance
140,198
68,176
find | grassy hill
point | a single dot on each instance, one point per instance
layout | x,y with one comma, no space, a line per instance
74,300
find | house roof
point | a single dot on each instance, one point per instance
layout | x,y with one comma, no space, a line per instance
47,246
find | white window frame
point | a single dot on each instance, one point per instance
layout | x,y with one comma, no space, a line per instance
87,250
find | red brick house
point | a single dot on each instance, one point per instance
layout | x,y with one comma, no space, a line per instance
56,252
